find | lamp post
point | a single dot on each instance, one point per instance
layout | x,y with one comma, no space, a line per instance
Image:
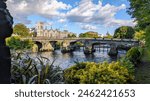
6,30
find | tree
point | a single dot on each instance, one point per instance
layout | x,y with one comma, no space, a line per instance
126,32
109,36
21,30
89,34
140,11
16,43
72,35
139,35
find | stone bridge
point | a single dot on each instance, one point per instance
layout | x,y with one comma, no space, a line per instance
88,43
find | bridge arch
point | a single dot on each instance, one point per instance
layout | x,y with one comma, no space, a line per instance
104,45
100,46
54,44
39,44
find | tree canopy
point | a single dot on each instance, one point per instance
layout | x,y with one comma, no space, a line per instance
72,35
126,32
89,34
108,35
139,35
21,30
16,43
140,10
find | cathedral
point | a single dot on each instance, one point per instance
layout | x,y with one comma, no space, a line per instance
55,34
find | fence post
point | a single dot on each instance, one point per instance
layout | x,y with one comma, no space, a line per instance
6,30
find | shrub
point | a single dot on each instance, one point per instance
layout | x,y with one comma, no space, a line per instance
27,70
134,55
141,50
129,65
98,73
16,43
140,35
79,44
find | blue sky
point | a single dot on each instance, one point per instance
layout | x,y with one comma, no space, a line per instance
77,16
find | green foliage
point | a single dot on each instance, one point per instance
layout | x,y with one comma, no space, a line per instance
146,55
27,70
98,73
128,64
139,35
21,30
134,55
89,34
109,36
126,32
140,10
32,34
148,37
72,35
141,50
16,43
79,44
58,45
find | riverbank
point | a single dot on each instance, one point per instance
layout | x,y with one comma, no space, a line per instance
142,74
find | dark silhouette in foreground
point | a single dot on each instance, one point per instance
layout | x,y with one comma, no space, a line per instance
6,30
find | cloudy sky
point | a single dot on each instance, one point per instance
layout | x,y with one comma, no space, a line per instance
74,15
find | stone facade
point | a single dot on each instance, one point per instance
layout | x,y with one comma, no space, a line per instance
55,34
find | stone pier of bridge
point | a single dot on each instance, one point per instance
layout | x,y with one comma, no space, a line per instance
70,44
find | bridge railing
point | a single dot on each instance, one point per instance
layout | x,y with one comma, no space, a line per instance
101,39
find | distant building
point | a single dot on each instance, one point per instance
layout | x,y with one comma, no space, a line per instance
40,29
44,32
33,31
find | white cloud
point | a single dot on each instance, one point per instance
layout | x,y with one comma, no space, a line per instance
62,20
115,22
88,27
21,9
88,12
85,12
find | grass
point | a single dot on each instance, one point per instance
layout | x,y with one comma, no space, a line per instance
142,72
146,55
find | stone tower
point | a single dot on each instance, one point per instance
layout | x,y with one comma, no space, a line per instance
40,28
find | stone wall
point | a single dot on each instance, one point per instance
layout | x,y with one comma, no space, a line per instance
6,30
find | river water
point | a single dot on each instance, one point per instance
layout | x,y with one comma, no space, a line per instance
68,59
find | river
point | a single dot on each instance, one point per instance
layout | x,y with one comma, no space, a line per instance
68,59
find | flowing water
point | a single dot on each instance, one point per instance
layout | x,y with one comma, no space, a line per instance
68,59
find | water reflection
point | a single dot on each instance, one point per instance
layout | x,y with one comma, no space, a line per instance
68,59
